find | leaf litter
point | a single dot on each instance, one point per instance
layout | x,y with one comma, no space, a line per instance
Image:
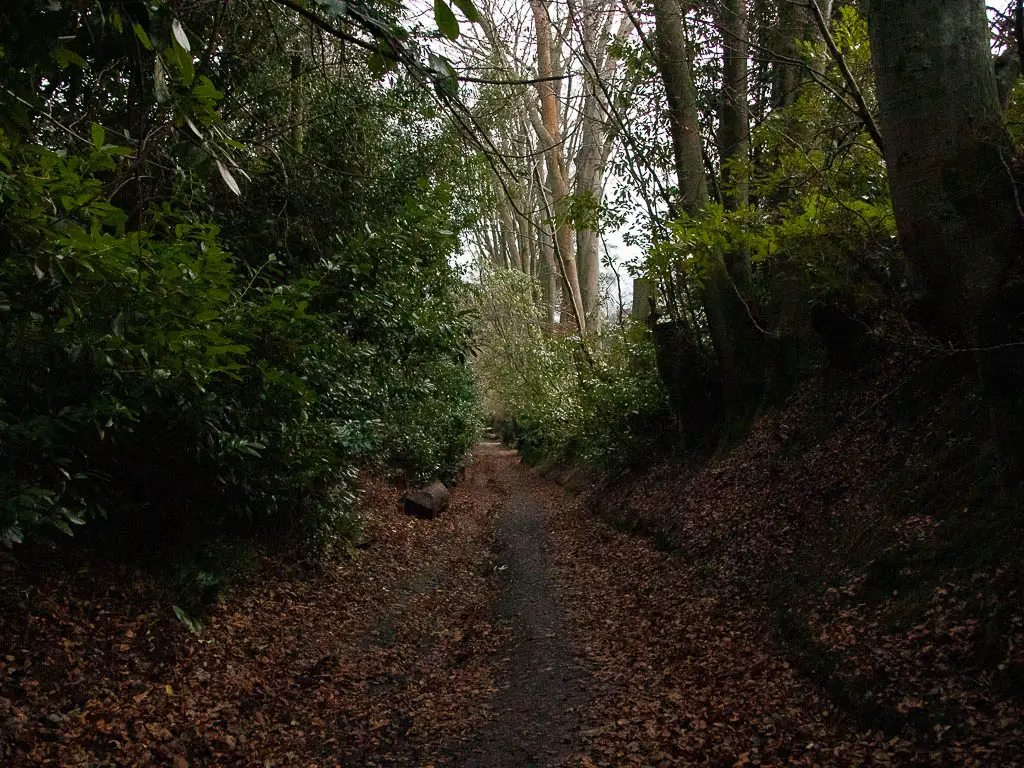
395,656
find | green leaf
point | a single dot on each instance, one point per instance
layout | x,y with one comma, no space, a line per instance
143,37
186,67
227,349
99,136
447,79
194,625
381,65
71,517
446,21
206,316
469,10
66,58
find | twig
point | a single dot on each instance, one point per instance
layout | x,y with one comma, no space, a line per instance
397,55
851,82
49,116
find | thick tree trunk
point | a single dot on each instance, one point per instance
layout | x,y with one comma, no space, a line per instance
681,94
945,150
643,293
732,334
591,156
787,75
796,25
589,183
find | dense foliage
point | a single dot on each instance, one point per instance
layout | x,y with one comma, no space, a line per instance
802,215
599,403
185,361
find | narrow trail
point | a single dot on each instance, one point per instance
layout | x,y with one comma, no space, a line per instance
535,720
514,631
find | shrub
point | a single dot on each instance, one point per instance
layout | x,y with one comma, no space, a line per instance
152,380
600,404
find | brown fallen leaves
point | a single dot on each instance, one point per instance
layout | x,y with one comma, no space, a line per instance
379,659
817,610
700,657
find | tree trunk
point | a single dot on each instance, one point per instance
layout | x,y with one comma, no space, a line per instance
946,152
796,25
591,156
684,124
681,94
298,111
513,254
786,77
643,293
734,125
732,334
589,184
551,139
549,272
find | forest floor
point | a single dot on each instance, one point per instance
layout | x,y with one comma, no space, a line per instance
515,630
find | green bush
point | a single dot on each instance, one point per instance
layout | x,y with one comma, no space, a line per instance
602,404
152,380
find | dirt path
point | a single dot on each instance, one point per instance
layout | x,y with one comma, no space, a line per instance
541,687
439,643
514,631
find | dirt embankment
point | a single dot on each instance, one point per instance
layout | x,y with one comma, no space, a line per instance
867,524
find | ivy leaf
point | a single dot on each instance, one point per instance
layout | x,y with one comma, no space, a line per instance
446,21
469,10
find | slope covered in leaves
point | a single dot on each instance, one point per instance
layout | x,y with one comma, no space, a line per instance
864,524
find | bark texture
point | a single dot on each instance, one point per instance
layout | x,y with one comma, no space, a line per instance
724,311
734,124
796,25
946,153
550,134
